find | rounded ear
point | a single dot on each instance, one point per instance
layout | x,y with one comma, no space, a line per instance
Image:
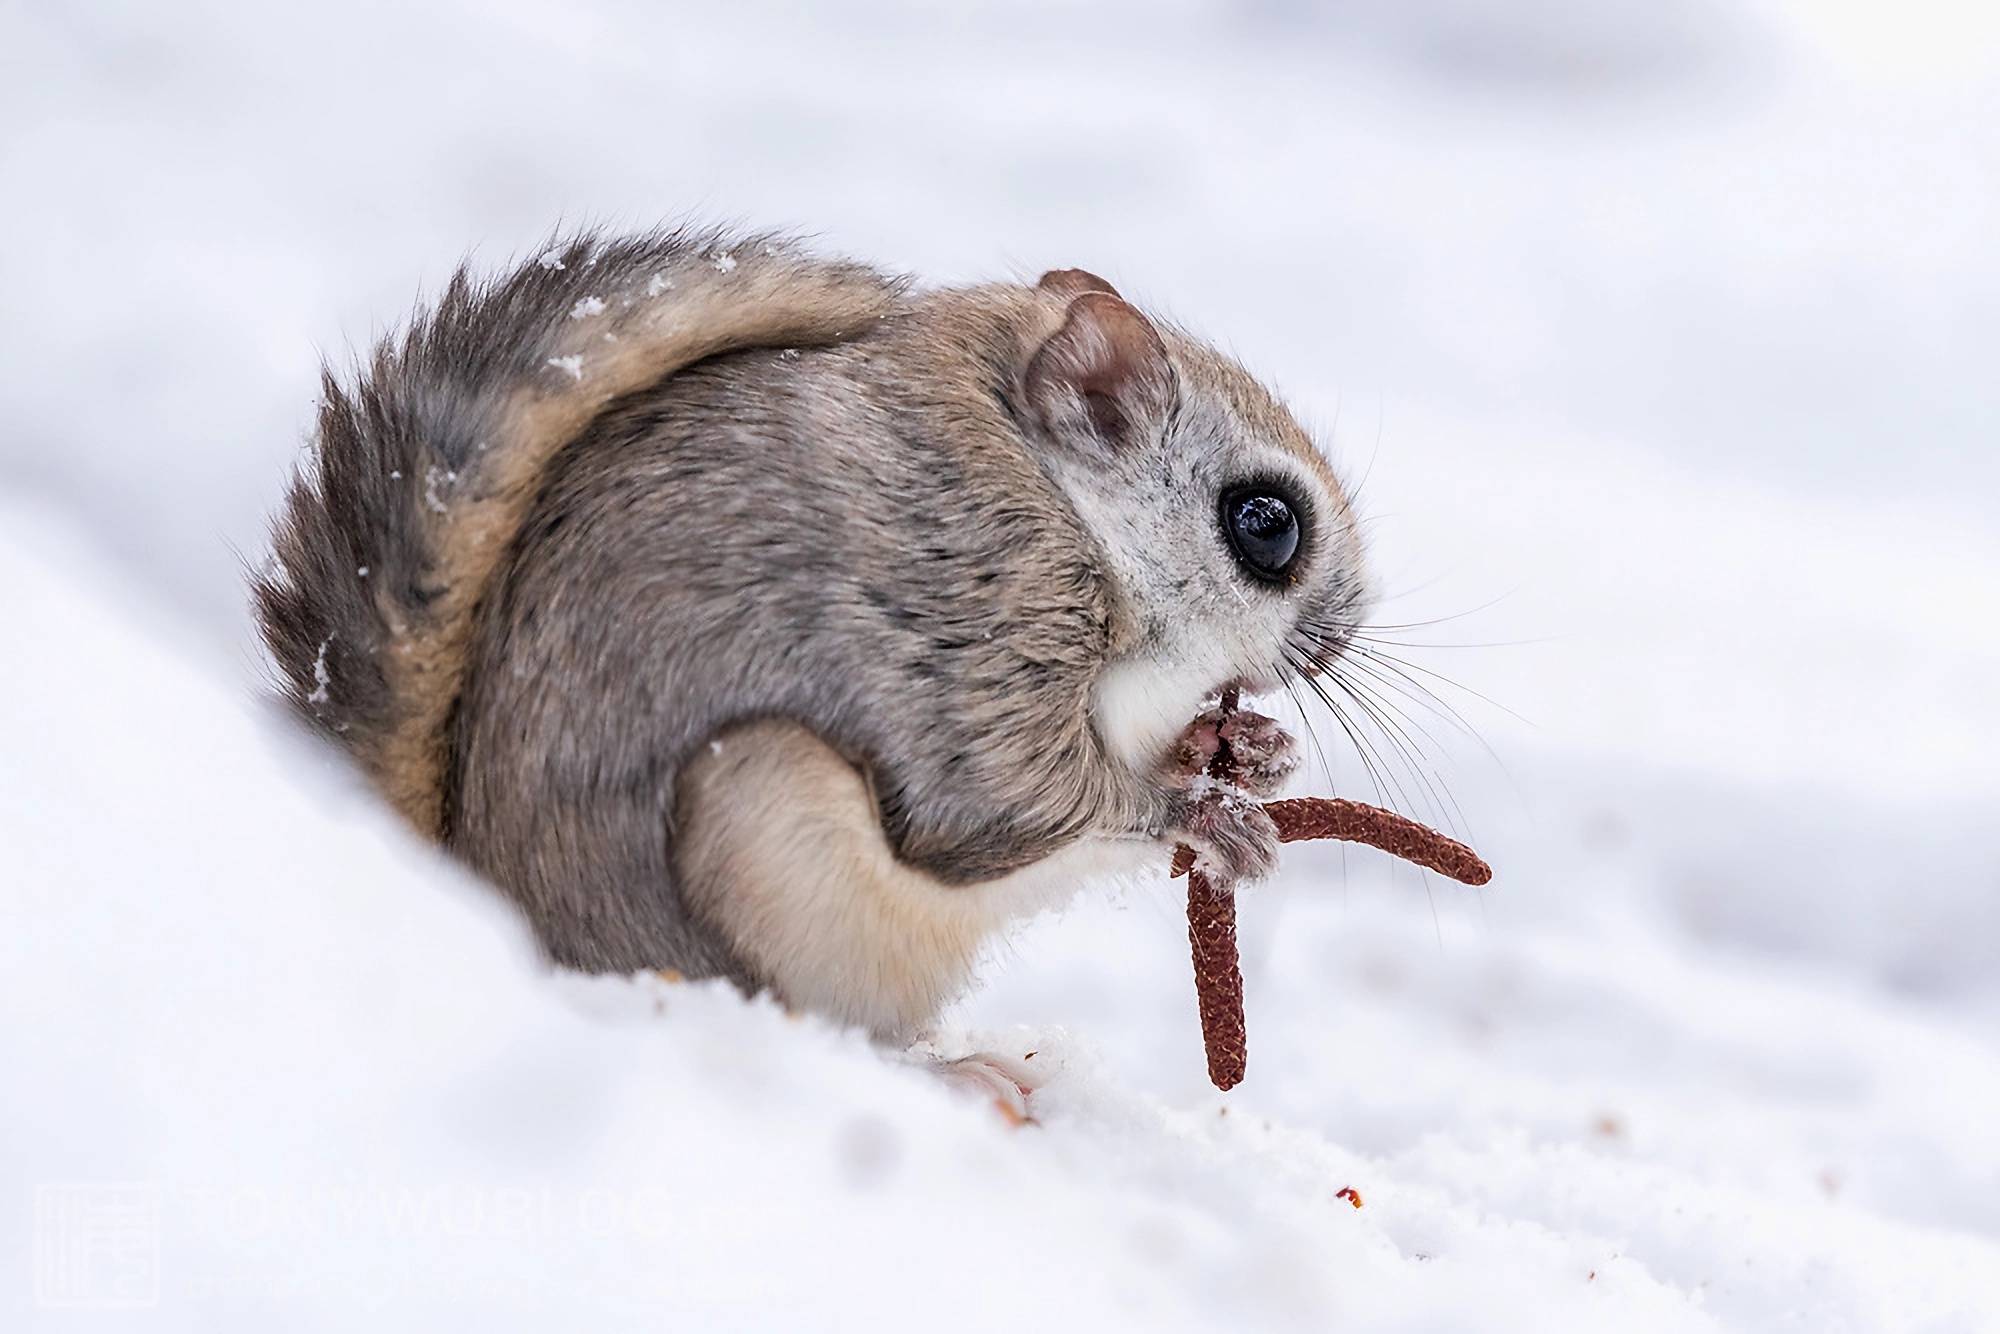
1104,375
1074,282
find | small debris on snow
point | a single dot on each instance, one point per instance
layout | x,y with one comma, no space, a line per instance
584,309
570,365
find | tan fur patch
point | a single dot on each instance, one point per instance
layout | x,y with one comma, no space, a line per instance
781,849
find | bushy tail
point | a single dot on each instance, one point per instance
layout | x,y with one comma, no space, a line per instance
422,472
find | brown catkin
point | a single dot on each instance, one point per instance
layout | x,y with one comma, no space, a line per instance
1218,975
1397,835
1218,978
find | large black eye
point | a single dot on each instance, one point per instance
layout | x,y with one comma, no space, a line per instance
1263,530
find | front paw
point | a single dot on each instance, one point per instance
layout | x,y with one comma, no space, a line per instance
1232,837
1262,754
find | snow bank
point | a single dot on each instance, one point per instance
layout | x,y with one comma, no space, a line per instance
339,1088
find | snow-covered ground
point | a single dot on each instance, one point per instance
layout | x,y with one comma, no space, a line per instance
1662,339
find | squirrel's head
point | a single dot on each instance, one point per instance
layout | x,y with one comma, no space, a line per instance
1231,542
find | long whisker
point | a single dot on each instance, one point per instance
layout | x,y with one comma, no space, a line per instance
1391,675
1335,638
1342,631
1326,660
1360,670
1407,750
1441,620
1361,749
1401,793
1376,766
1405,746
1431,643
1394,718
1336,629
1374,452
1291,677
1396,674
1340,718
1388,674
1404,665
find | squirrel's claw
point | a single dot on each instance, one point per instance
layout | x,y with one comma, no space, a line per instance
1263,754
1233,838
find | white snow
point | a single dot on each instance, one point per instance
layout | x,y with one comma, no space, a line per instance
346,1088
321,678
1665,330
571,366
434,477
588,306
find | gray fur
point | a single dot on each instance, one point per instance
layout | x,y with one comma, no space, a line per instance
896,537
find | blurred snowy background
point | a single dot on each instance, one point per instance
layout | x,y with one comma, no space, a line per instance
1664,340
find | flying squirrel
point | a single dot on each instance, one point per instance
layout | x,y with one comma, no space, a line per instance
745,613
